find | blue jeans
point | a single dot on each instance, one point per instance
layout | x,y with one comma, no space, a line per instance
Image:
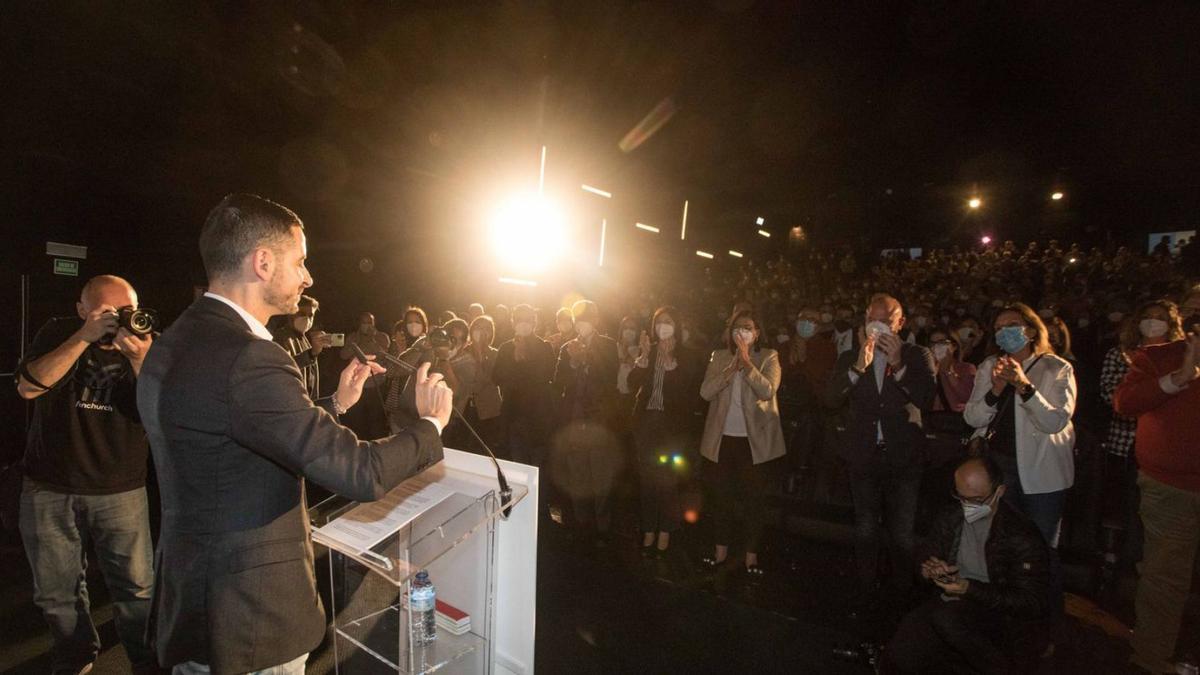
889,494
56,528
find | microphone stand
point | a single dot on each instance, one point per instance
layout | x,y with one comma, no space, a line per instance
505,490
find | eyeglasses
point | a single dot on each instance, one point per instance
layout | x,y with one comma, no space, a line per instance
978,501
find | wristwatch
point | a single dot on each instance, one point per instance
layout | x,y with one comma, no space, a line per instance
1027,391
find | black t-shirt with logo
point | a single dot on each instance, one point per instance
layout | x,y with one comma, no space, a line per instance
86,436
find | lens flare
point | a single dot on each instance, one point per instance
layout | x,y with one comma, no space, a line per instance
528,233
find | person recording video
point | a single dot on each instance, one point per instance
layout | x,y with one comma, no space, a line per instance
85,471
234,435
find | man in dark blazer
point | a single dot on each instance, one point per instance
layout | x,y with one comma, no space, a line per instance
234,434
885,386
587,454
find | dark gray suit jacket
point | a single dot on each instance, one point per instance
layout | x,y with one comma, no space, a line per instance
865,405
233,435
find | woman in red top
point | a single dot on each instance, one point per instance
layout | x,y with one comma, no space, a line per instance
955,377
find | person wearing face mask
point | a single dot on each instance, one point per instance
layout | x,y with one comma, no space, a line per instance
524,367
956,378
502,318
1157,322
443,359
742,434
664,384
585,453
1023,401
883,388
1162,392
565,325
989,566
478,395
416,325
970,336
368,419
809,358
294,333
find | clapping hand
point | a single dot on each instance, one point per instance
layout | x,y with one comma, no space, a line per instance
350,382
866,350
434,398
892,348
1189,370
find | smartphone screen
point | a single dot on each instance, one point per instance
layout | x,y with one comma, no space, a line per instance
337,339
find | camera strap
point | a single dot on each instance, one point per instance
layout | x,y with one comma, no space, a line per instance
24,372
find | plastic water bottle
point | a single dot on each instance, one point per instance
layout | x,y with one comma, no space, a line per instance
423,603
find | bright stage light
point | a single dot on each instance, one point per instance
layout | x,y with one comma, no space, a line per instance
648,228
528,233
517,282
736,254
985,240
1056,196
764,233
759,220
704,254
975,202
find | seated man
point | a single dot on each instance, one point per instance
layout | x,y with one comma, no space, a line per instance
991,565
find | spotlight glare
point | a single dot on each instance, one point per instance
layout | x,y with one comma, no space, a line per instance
704,254
648,228
985,240
596,191
764,233
736,254
759,221
1056,196
975,202
528,233
517,282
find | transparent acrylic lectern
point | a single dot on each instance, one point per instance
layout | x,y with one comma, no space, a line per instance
443,521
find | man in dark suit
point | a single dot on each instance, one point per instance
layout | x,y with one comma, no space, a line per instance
586,451
234,434
885,386
523,371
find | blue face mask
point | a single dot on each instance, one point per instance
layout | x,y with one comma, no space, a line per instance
806,328
1011,339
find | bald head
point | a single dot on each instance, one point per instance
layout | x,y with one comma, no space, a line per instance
106,290
886,309
978,478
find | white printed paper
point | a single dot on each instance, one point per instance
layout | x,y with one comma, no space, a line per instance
368,524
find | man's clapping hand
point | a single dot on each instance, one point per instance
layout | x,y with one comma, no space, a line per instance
434,398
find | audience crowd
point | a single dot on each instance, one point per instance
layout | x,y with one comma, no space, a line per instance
976,409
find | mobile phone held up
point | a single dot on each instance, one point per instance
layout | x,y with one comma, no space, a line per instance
337,339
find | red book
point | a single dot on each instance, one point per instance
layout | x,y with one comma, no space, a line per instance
452,613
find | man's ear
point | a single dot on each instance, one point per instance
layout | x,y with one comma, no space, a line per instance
1000,493
262,262
80,311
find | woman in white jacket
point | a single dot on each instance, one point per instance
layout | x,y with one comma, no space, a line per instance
1024,397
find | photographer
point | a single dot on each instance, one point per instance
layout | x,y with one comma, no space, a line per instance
292,333
85,473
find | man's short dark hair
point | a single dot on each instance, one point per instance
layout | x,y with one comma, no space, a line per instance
307,302
237,226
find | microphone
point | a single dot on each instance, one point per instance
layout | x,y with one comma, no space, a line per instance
505,490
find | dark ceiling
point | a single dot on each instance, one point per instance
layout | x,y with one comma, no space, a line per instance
384,123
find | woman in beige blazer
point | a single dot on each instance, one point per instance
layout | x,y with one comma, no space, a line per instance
742,433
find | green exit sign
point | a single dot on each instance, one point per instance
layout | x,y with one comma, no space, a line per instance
66,268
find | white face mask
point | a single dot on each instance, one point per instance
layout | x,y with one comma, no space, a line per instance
974,512
302,324
685,334
523,329
877,328
584,328
629,335
665,331
416,329
1153,328
940,351
745,334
